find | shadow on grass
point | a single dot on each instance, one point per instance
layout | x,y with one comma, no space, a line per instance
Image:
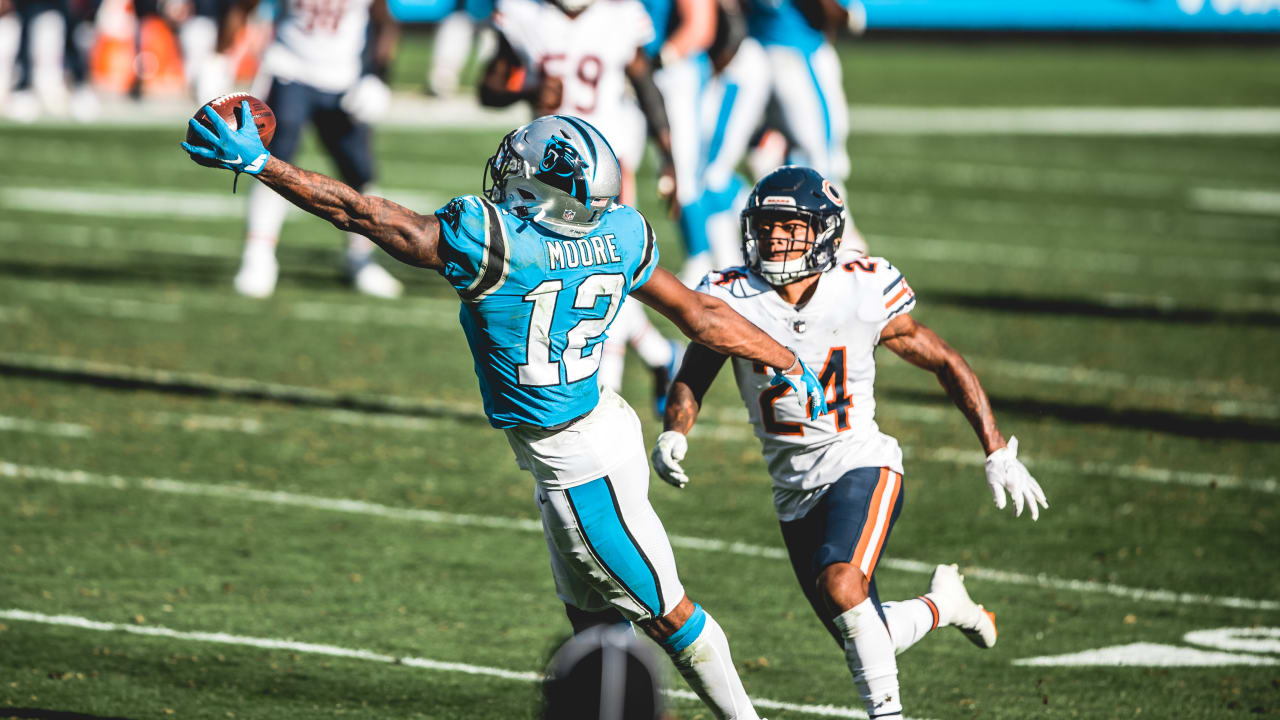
43,714
1174,423
1084,307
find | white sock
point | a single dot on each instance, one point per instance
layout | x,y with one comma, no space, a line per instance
869,651
449,54
705,663
359,251
909,621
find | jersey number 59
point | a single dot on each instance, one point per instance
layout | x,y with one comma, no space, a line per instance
539,369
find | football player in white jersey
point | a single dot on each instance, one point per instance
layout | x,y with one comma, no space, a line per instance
837,480
578,57
318,71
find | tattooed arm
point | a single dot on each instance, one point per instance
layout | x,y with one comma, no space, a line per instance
406,235
922,347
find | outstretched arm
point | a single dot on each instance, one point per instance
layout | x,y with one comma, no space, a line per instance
407,236
920,346
711,322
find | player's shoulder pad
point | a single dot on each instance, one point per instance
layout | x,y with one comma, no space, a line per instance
733,283
473,246
882,289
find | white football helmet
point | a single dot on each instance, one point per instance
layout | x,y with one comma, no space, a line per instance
558,171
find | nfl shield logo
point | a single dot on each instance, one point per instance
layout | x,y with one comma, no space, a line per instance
568,214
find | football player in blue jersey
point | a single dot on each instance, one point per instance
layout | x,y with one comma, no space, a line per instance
541,261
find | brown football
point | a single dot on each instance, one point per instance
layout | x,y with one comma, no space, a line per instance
228,106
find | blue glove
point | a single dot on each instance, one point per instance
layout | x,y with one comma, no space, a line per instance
814,396
236,150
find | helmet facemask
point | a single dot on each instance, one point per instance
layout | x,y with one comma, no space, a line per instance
819,250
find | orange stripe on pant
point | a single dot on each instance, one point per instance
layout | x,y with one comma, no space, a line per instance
867,552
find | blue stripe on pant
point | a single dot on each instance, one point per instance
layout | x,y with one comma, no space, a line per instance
595,507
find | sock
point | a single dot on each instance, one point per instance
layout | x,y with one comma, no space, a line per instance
359,251
869,651
700,652
266,215
909,621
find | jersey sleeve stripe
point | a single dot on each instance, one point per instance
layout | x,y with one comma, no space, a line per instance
890,286
650,244
494,263
897,297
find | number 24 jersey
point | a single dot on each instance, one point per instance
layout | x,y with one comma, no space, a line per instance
836,334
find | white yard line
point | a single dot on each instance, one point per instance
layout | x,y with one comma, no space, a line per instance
720,423
1225,200
413,111
94,236
156,631
154,202
232,492
987,254
8,423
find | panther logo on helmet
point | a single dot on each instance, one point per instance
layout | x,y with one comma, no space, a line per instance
558,171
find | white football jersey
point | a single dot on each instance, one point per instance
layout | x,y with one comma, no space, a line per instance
589,53
319,43
836,334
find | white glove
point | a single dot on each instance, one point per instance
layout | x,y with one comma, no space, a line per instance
1006,472
667,454
368,100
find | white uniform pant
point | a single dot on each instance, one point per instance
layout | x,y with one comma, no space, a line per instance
814,112
608,547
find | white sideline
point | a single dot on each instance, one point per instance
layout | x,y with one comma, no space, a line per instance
369,656
413,111
57,429
279,497
155,202
1226,200
725,425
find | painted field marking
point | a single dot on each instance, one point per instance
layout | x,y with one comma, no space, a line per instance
729,426
1146,655
1225,200
201,423
87,235
412,111
15,314
156,631
938,250
155,202
8,423
284,498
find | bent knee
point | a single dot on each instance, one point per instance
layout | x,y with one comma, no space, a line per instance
843,585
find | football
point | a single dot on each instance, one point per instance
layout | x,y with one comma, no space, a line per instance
228,106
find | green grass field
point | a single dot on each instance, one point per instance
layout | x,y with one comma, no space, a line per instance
311,477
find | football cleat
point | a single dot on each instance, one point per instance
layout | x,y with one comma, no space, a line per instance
372,279
258,274
956,608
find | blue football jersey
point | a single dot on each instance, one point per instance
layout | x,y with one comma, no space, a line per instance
536,306
780,22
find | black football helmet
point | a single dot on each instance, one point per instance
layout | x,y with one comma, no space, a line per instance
788,193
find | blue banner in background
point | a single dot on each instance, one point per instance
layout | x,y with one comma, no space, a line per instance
1165,15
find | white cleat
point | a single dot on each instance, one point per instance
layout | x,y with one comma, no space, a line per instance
370,278
955,607
257,276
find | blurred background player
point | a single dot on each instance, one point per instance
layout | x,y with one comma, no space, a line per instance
807,100
10,30
325,67
50,63
207,72
837,480
683,32
453,41
578,57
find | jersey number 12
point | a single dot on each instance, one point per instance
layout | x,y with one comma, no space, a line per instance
538,368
